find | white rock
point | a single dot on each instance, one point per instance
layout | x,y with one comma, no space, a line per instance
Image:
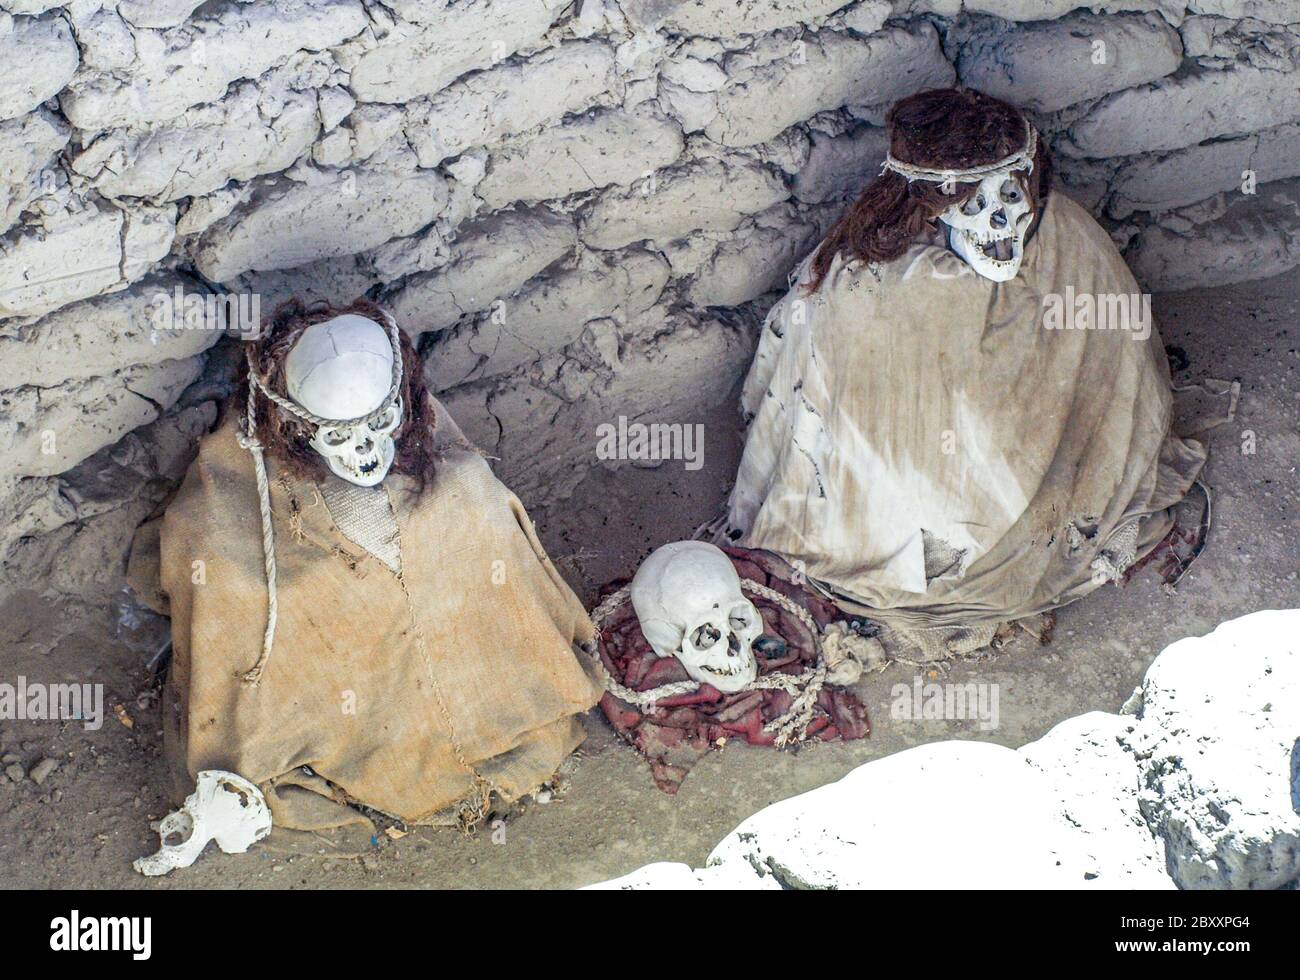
103,335
45,431
1048,66
594,151
841,165
106,41
48,55
869,16
1197,790
712,194
373,126
728,18
1022,10
1217,738
157,13
203,149
79,255
345,213
826,70
944,815
334,105
694,110
546,316
666,876
1255,237
694,74
487,106
1187,176
1218,42
1273,11
439,45
195,63
490,259
1180,111
1094,781
756,259
28,146
203,212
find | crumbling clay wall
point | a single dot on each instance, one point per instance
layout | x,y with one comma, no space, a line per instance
582,209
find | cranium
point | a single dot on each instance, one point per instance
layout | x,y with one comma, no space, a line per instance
688,600
988,229
223,807
343,369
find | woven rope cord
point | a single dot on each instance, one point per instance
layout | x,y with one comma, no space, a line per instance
804,688
1022,159
248,440
255,380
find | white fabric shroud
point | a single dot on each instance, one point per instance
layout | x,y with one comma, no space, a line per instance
914,410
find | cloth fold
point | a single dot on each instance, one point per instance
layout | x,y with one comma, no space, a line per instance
942,452
411,694
683,729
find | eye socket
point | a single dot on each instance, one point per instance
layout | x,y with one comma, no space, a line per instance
334,437
973,205
739,619
384,420
705,636
1010,192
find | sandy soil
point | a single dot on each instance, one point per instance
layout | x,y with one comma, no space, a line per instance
88,819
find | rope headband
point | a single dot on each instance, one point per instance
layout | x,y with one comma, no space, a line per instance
256,381
1022,159
248,439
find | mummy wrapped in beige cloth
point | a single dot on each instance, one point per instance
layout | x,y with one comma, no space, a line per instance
959,416
388,635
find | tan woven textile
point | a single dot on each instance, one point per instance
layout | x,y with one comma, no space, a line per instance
410,694
365,516
923,447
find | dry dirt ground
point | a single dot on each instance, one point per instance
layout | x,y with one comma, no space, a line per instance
83,825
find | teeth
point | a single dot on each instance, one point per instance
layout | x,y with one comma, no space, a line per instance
723,672
989,246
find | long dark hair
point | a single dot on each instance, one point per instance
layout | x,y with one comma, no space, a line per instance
285,437
942,128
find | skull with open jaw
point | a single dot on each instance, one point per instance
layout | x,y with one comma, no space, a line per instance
688,600
988,228
362,453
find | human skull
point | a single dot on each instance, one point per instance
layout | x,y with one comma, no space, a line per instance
988,229
687,598
223,807
343,369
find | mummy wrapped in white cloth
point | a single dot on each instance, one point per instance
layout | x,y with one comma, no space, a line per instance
959,416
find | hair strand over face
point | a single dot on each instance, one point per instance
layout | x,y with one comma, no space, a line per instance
942,128
285,437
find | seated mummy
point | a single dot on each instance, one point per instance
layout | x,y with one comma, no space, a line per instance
363,618
960,414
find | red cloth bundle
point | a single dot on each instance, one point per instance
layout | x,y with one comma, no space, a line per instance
683,729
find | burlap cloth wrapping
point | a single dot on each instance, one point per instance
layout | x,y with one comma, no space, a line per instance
415,695
684,729
925,450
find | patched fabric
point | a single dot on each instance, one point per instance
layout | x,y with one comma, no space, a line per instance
682,730
416,695
365,516
920,437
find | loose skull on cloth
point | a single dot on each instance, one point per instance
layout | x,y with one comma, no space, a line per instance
960,413
687,622
404,645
